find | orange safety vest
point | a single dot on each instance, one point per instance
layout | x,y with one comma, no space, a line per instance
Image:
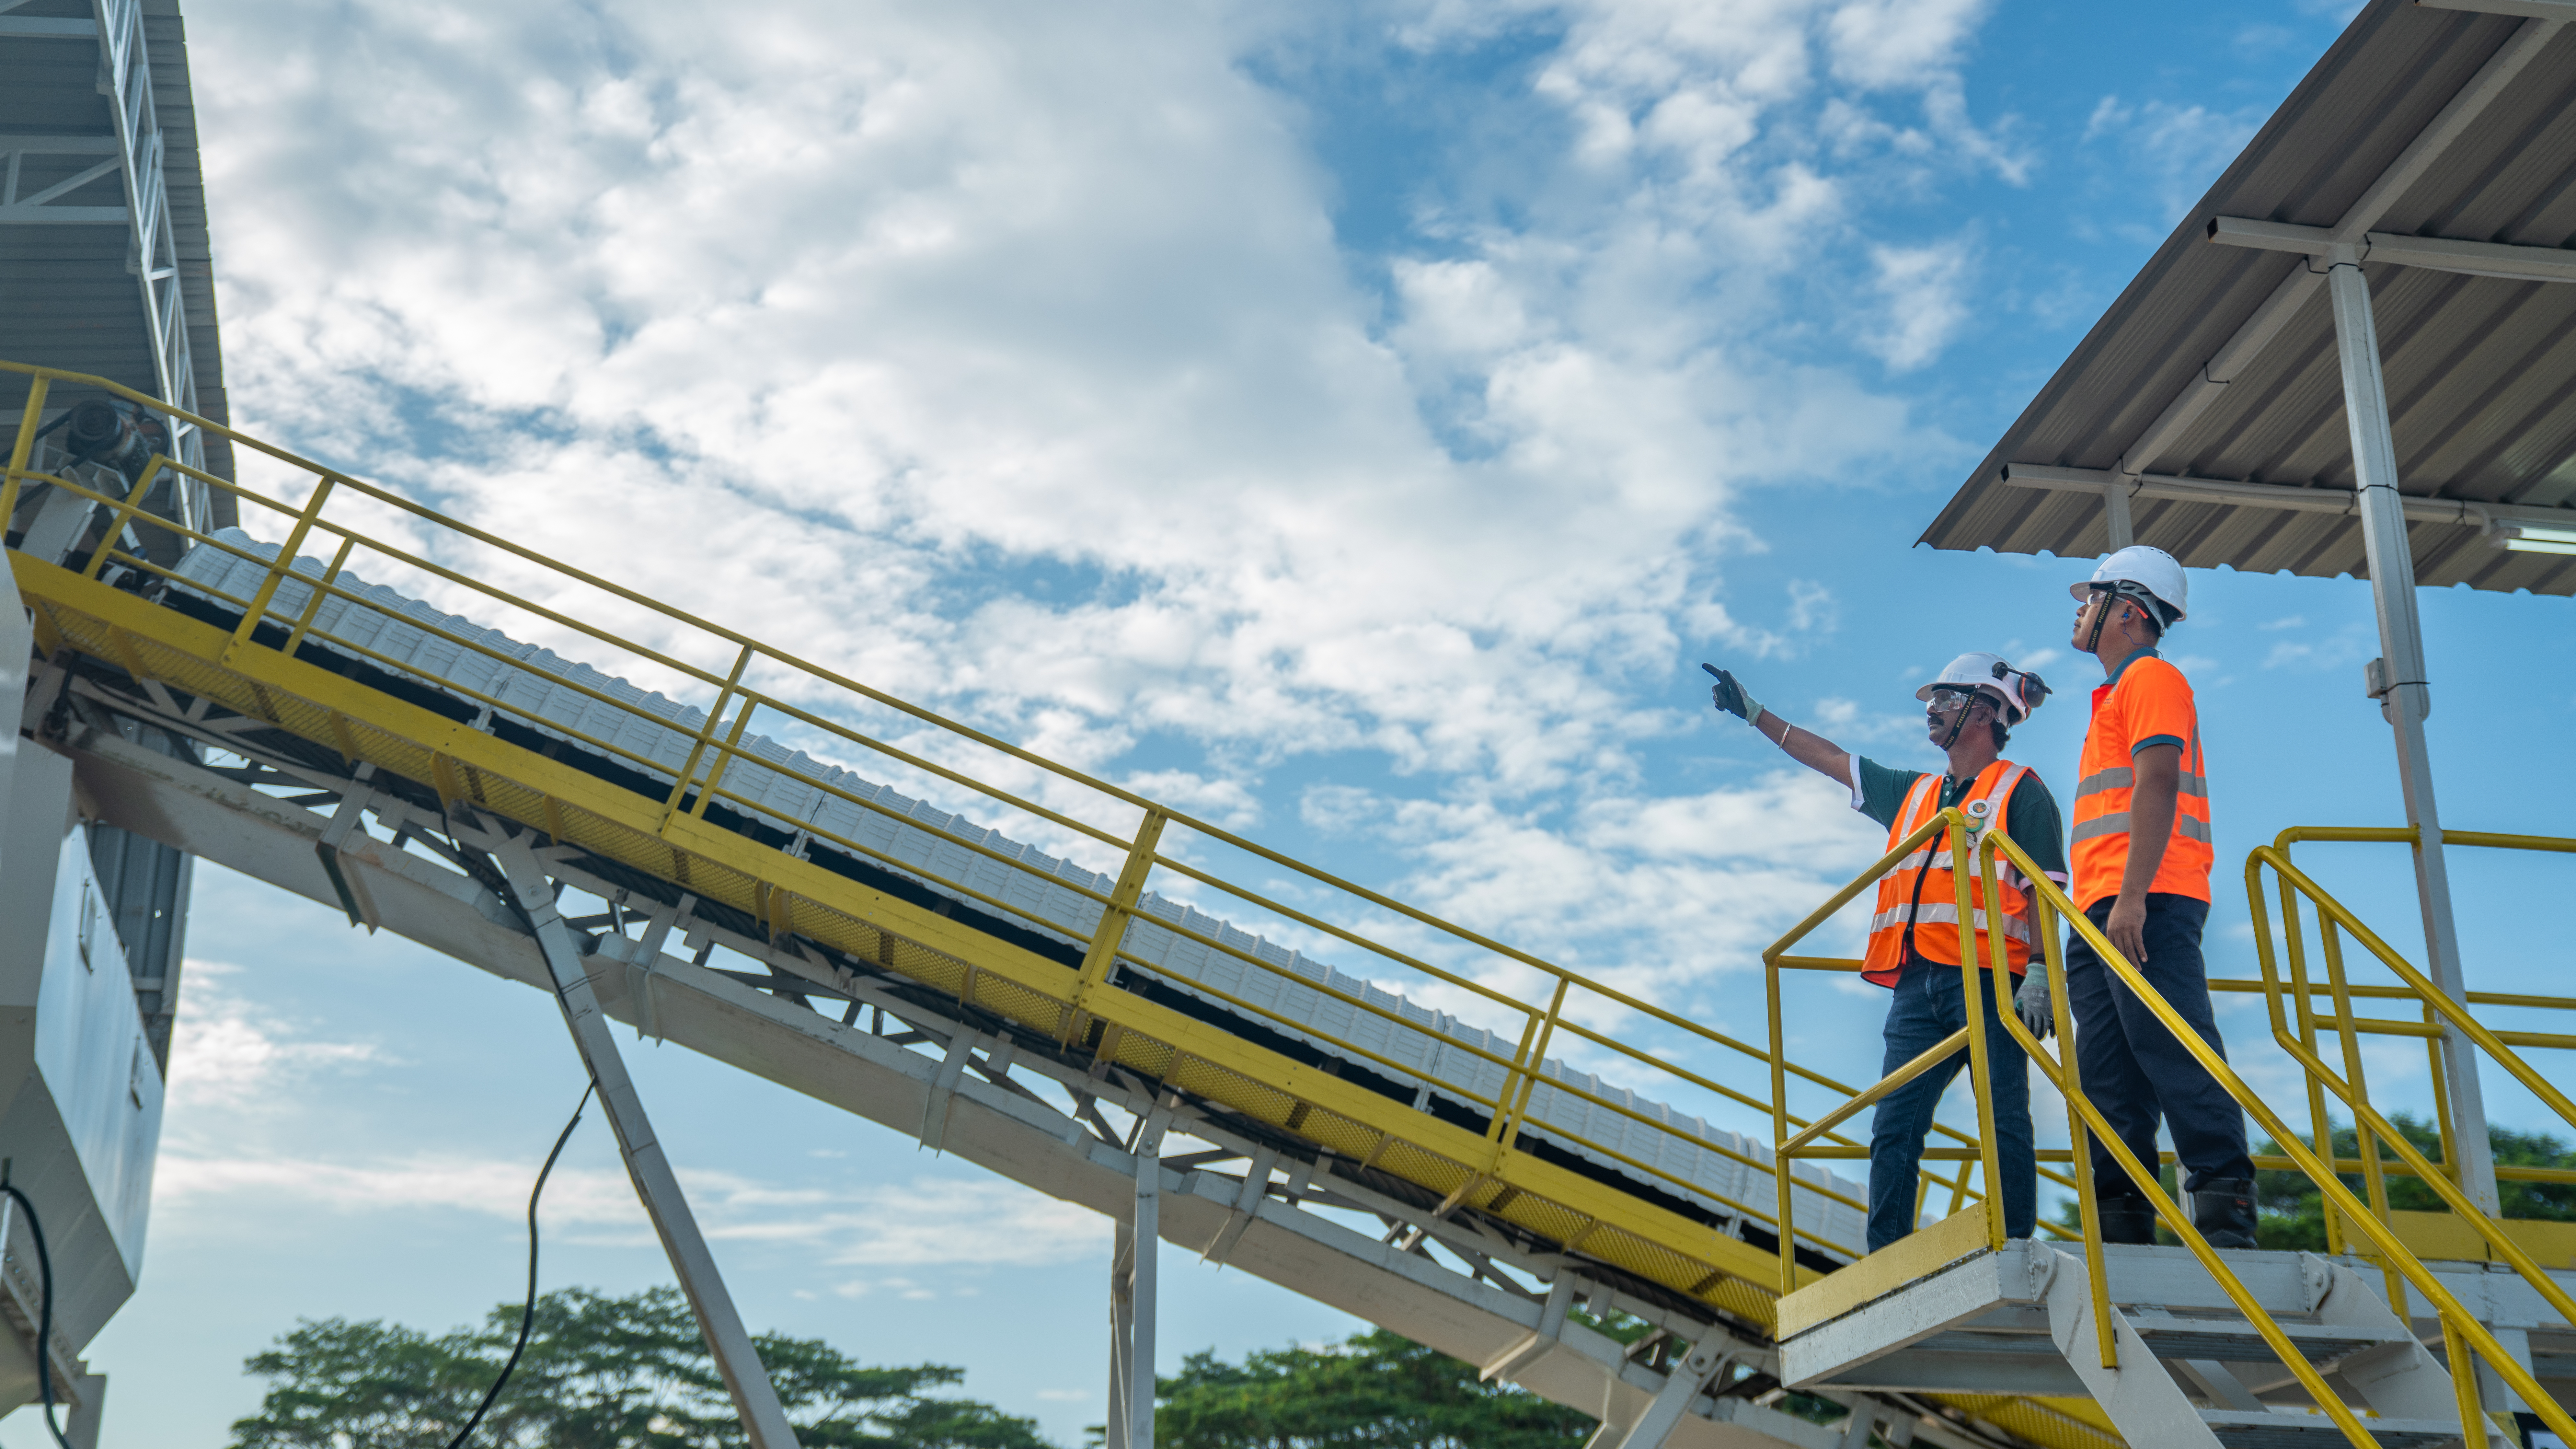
1918,894
2149,703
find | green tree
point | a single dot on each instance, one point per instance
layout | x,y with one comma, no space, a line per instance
600,1372
1380,1390
2293,1210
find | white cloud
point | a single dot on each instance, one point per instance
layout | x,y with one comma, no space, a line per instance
1925,303
2180,150
229,1053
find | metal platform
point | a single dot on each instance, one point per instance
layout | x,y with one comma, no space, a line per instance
2191,1368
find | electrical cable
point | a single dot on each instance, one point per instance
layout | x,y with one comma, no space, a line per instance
44,1314
527,1315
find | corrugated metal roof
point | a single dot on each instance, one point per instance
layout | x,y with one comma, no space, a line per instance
68,297
2481,371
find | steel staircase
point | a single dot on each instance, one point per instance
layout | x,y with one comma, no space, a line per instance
2192,1369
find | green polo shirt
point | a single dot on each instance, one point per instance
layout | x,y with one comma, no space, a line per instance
2032,819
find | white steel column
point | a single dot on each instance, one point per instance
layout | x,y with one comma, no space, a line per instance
1122,1333
736,1359
2405,698
1131,1296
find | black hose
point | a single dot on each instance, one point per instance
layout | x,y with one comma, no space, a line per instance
44,1314
527,1315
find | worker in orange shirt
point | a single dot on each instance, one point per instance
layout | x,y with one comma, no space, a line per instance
2142,856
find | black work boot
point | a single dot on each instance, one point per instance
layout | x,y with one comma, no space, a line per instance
2127,1220
2223,1209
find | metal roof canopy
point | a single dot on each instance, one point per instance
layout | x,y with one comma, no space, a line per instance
2421,181
2441,143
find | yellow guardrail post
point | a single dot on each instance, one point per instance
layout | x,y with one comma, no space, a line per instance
278,570
321,591
698,747
19,450
1780,1128
1507,1126
1973,1006
1102,953
125,512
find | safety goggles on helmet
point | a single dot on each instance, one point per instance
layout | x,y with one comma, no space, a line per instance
2013,692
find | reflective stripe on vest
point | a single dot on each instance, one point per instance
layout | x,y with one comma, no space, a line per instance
2118,824
1917,898
2126,778
1946,913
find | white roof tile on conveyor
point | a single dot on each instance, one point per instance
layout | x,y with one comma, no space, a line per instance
787,786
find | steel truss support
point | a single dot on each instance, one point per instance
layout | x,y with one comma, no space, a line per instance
1683,1383
736,1359
1286,1219
2398,682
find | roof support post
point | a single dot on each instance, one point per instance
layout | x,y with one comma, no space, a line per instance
737,1361
2398,680
2115,512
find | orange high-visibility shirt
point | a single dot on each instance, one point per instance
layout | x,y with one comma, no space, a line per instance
2146,703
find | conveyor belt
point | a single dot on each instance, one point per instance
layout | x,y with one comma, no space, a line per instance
783,793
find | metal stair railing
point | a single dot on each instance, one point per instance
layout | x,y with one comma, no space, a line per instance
2464,1337
2299,994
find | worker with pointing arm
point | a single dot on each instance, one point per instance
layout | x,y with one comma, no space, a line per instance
2142,860
1914,936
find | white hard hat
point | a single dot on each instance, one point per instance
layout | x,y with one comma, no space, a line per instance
2015,692
2149,570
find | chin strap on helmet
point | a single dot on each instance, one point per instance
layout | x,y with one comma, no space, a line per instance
2101,616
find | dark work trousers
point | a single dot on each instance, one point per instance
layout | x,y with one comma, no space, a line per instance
1930,1004
2132,1067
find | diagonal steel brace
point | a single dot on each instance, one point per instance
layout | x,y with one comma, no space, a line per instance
739,1363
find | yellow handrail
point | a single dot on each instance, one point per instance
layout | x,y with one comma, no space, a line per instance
2442,1015
341,517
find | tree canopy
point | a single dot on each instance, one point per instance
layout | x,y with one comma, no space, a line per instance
2290,1211
1379,1390
600,1372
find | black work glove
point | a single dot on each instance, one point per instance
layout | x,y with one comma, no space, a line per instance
1730,696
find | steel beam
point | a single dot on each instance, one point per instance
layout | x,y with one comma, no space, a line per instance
2405,696
2534,9
2324,498
736,1359
2439,254
1682,1383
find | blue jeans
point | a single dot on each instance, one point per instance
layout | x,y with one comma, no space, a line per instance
1929,1006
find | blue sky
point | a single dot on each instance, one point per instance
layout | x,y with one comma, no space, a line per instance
1356,427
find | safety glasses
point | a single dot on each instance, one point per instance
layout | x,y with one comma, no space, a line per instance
1951,701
